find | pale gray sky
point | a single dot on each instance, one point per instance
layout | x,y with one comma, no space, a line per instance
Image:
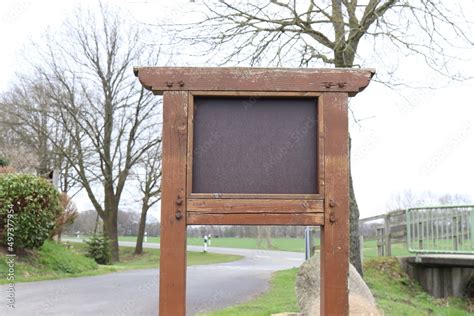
426,143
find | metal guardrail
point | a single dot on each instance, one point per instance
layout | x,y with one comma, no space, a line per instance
441,229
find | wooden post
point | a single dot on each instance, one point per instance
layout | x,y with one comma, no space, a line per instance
335,232
388,235
381,241
173,208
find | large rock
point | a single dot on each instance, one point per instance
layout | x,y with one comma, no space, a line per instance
361,300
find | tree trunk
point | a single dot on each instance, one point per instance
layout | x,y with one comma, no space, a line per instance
354,241
259,236
141,228
110,231
268,237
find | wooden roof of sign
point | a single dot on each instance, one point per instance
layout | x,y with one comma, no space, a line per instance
160,79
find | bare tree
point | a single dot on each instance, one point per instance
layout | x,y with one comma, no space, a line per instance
408,198
308,33
19,138
26,116
107,116
67,216
264,232
149,179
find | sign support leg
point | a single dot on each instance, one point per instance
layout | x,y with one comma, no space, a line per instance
173,205
335,232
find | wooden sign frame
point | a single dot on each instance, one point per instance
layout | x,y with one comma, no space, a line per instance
329,208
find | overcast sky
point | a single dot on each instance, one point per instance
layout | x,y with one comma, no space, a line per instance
415,139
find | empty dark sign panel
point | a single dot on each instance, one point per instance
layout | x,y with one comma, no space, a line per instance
261,145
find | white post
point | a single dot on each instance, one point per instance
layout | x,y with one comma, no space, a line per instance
205,243
209,239
307,238
146,237
55,179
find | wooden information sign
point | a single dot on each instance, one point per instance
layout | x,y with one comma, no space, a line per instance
254,146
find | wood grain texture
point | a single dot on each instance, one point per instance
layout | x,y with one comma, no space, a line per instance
335,232
173,200
309,219
255,196
258,206
160,79
256,93
189,159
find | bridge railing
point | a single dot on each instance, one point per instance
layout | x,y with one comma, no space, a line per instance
441,229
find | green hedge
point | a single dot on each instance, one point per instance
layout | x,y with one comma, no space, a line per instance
32,205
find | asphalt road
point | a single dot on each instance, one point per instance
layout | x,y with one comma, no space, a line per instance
209,287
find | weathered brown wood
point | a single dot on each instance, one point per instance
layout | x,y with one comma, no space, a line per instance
191,107
189,158
335,232
173,205
309,219
255,196
256,93
239,206
320,150
328,208
159,79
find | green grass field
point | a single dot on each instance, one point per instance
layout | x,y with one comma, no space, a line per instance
283,244
56,261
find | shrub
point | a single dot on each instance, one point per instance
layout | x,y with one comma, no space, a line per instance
469,287
34,205
98,249
4,162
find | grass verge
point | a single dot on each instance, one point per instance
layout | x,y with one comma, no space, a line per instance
280,297
56,261
396,294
